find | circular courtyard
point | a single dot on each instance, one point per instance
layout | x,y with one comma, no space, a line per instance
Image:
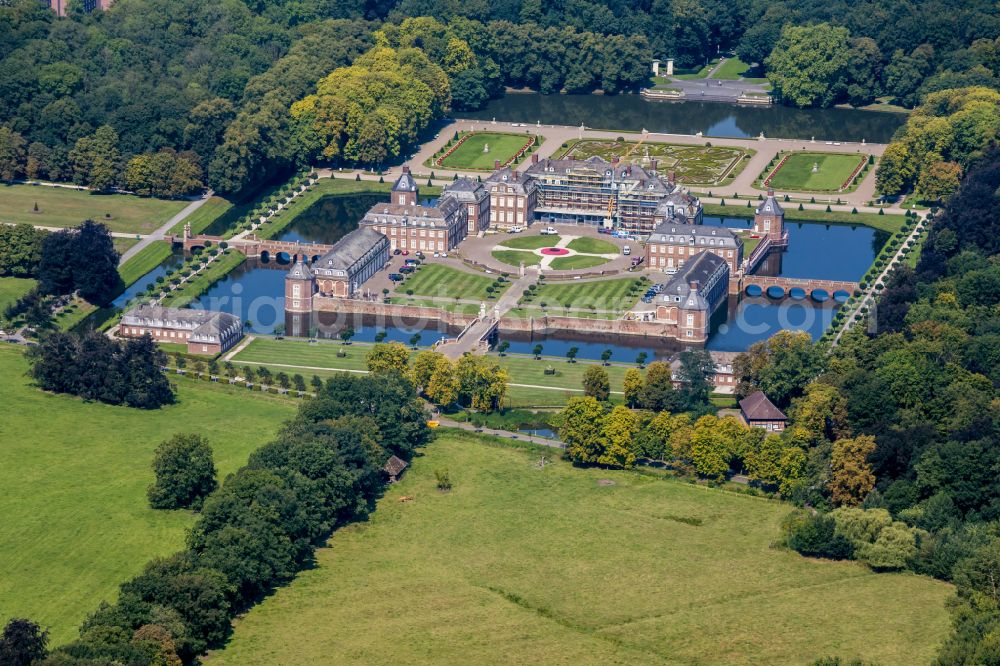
563,252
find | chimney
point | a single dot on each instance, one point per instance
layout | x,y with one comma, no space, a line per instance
672,176
652,164
496,164
614,159
694,284
534,158
770,191
406,169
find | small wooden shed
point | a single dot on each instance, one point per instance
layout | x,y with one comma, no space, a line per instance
394,467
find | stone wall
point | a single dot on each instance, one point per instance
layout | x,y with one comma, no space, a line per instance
555,324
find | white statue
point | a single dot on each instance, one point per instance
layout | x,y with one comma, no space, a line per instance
486,148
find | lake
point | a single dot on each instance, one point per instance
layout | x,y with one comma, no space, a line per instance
631,112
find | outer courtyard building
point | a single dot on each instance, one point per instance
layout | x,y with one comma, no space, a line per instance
693,295
475,199
722,379
340,272
671,245
203,331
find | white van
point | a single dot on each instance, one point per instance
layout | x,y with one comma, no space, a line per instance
626,250
548,231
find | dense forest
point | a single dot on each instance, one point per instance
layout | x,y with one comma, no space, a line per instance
903,421
164,97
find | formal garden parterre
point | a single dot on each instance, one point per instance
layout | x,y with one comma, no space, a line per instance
693,165
816,172
479,151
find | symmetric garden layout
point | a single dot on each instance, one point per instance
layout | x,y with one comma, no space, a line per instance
693,165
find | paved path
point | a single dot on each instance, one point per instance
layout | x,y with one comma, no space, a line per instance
159,234
114,234
870,294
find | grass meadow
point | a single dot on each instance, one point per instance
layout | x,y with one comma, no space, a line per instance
797,174
74,477
589,245
516,257
471,154
439,281
66,207
527,564
11,289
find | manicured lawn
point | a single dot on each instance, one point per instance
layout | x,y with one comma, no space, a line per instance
515,257
471,154
601,294
797,173
74,477
731,69
690,74
65,207
525,565
12,289
693,165
446,282
320,358
590,245
577,261
529,242
207,213
146,260
122,244
441,303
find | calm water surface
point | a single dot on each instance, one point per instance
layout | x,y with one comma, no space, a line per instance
631,112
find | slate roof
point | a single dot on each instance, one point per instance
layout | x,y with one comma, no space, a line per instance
299,272
637,176
351,248
204,325
700,269
426,216
694,234
756,407
770,205
405,183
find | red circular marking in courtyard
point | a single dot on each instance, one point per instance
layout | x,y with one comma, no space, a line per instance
554,251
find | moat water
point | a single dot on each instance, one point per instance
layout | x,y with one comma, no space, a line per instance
631,112
839,252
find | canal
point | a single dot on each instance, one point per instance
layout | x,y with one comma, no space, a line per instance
630,112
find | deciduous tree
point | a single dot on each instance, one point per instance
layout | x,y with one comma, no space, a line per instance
387,357
596,383
185,473
851,474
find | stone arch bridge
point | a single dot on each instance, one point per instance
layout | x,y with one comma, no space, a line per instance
797,288
252,246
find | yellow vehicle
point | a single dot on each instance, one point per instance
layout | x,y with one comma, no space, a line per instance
433,424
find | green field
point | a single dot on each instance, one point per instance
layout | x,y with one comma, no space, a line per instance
12,289
589,245
600,294
74,476
560,565
440,281
471,155
797,174
734,69
65,207
529,383
576,262
529,242
515,257
693,165
144,261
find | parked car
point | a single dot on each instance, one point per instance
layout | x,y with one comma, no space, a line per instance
636,261
395,277
396,251
411,262
548,231
406,269
626,250
515,230
437,254
405,252
419,255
